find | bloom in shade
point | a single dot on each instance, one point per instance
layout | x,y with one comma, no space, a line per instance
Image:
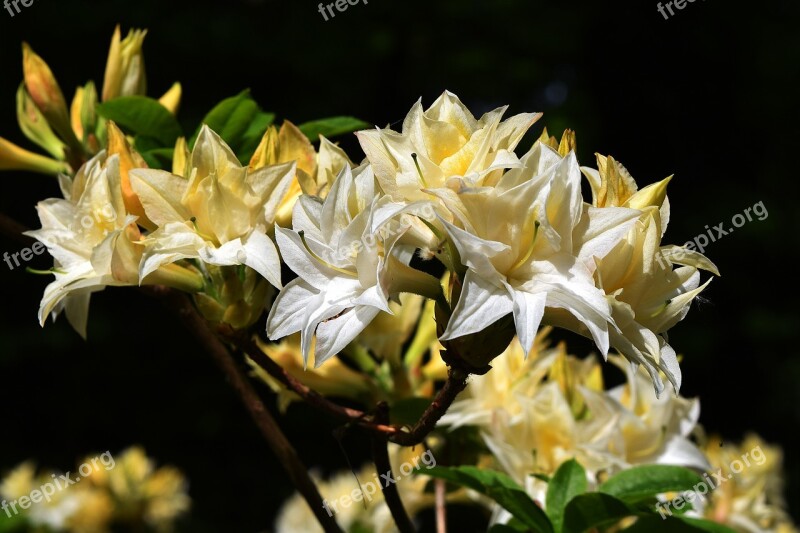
528,245
218,212
535,414
441,142
751,500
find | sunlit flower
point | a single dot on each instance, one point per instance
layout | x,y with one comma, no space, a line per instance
346,268
219,212
93,240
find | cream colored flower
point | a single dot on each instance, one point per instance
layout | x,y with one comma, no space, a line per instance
441,142
751,500
218,212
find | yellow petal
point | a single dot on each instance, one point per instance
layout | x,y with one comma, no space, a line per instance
128,159
172,98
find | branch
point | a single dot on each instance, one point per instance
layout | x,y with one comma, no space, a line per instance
179,304
456,382
380,454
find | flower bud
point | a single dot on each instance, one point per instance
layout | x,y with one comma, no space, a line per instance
13,157
46,94
125,74
35,126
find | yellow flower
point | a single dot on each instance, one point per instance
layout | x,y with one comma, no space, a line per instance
333,379
751,500
315,171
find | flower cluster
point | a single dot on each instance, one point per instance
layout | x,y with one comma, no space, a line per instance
126,492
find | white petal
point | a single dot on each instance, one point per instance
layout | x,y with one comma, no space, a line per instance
333,335
480,305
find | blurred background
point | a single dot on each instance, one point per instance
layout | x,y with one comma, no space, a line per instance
708,95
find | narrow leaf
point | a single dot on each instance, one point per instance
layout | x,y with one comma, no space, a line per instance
142,116
568,481
331,127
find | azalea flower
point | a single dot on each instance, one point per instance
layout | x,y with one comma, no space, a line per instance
338,294
218,212
647,295
528,244
94,242
441,142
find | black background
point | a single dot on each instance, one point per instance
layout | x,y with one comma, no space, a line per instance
708,95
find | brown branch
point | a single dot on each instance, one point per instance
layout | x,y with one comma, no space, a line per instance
180,304
380,455
456,382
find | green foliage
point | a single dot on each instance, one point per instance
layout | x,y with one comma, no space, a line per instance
143,116
501,489
331,127
571,509
240,122
643,482
568,482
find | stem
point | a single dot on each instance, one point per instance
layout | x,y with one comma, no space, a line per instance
380,454
456,382
180,305
441,510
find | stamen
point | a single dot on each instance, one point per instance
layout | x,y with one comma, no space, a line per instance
321,260
53,270
193,220
419,170
528,254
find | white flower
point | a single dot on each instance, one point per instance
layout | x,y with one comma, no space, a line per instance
342,263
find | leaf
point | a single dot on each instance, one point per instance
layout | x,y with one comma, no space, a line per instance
142,116
240,122
641,482
503,528
568,481
657,524
331,127
160,158
592,510
501,489
407,412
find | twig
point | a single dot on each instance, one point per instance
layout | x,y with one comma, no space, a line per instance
456,382
380,455
441,509
179,304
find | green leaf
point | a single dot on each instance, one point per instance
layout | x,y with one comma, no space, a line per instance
502,528
568,481
592,510
642,482
657,524
142,116
501,489
160,158
331,127
407,412
16,523
230,117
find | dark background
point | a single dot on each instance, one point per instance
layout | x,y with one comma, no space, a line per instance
708,95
